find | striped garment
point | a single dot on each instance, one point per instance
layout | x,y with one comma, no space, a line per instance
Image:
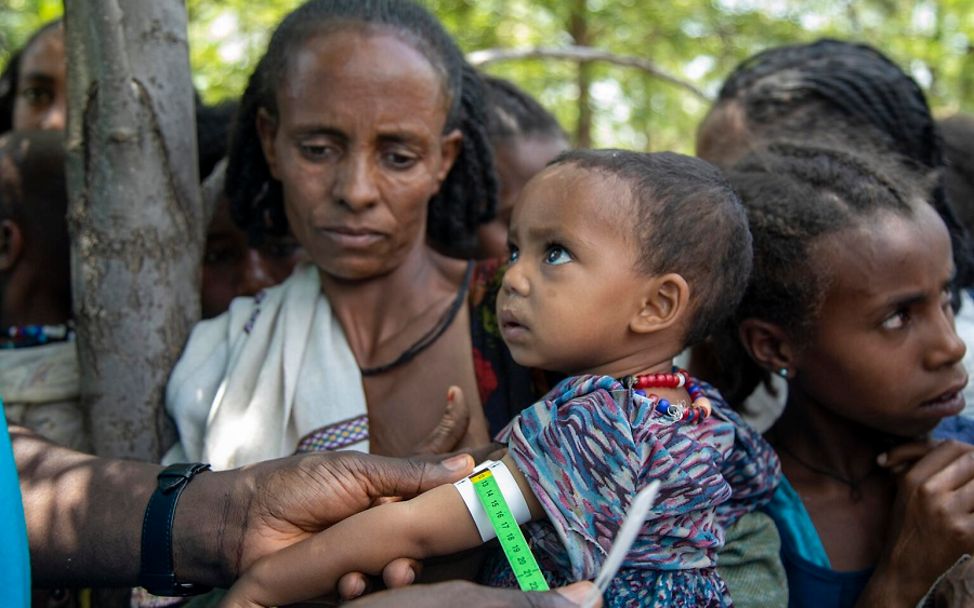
589,445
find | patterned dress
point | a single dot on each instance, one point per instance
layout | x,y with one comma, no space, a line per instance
589,445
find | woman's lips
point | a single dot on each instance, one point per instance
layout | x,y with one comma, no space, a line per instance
352,238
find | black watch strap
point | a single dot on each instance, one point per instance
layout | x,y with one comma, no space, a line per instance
156,573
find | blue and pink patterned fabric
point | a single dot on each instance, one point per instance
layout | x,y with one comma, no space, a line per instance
589,445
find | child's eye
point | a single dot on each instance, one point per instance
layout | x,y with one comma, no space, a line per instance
897,320
557,255
514,253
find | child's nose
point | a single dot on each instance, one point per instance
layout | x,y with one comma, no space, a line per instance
515,281
947,348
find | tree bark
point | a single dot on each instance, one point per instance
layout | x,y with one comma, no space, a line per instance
578,29
135,214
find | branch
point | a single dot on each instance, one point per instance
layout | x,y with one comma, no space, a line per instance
583,54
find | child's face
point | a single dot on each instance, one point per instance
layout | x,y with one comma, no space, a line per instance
884,352
571,288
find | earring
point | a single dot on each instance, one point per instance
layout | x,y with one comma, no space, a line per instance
783,372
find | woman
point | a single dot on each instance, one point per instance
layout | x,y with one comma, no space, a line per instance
33,85
361,131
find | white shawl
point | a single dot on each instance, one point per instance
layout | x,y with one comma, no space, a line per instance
255,380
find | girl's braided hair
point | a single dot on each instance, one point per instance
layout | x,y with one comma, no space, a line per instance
853,93
467,196
794,195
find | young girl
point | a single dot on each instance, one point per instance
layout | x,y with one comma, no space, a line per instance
849,301
618,260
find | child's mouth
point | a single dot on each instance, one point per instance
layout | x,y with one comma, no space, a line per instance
950,403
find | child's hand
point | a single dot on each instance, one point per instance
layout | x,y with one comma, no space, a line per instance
933,524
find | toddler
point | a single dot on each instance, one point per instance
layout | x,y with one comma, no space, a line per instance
618,260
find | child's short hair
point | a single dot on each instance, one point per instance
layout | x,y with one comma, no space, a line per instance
794,195
958,136
688,220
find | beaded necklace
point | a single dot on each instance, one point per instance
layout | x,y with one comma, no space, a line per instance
23,336
700,406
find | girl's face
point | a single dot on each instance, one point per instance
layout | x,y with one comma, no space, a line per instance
41,101
571,289
359,149
884,352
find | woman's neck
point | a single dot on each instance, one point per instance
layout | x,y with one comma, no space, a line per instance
811,433
378,311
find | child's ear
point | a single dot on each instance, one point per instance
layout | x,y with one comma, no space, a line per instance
11,245
769,345
267,131
665,302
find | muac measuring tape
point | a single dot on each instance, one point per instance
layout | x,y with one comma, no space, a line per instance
502,520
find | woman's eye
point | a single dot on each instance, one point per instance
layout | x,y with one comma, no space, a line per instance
316,151
398,160
897,320
557,255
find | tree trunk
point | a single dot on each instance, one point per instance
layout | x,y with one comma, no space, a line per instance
135,214
578,28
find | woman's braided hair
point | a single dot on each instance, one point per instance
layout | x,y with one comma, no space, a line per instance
794,195
467,196
852,93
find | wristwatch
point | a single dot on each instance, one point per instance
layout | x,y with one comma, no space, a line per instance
156,572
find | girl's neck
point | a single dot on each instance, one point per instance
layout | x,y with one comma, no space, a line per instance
812,433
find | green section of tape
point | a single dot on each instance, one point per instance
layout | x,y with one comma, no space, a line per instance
512,540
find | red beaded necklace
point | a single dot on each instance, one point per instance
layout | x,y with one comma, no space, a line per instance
700,407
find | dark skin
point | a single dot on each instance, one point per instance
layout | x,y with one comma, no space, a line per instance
358,161
42,84
885,315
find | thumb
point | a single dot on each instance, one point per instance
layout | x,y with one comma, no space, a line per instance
407,478
451,428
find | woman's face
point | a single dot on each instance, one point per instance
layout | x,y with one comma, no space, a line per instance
359,149
884,352
41,101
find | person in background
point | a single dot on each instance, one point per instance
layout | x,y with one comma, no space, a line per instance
524,137
958,139
232,265
33,84
38,361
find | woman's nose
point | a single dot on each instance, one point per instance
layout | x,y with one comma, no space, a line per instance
355,186
55,119
256,275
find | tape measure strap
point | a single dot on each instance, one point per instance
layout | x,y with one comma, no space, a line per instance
525,567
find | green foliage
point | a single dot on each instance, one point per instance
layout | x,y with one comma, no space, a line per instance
696,41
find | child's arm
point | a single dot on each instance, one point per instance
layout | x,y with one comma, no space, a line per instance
434,523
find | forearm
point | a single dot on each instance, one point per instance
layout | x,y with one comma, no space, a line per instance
435,523
84,514
84,517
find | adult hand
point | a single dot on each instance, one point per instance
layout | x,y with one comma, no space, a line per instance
932,524
447,436
280,502
468,595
